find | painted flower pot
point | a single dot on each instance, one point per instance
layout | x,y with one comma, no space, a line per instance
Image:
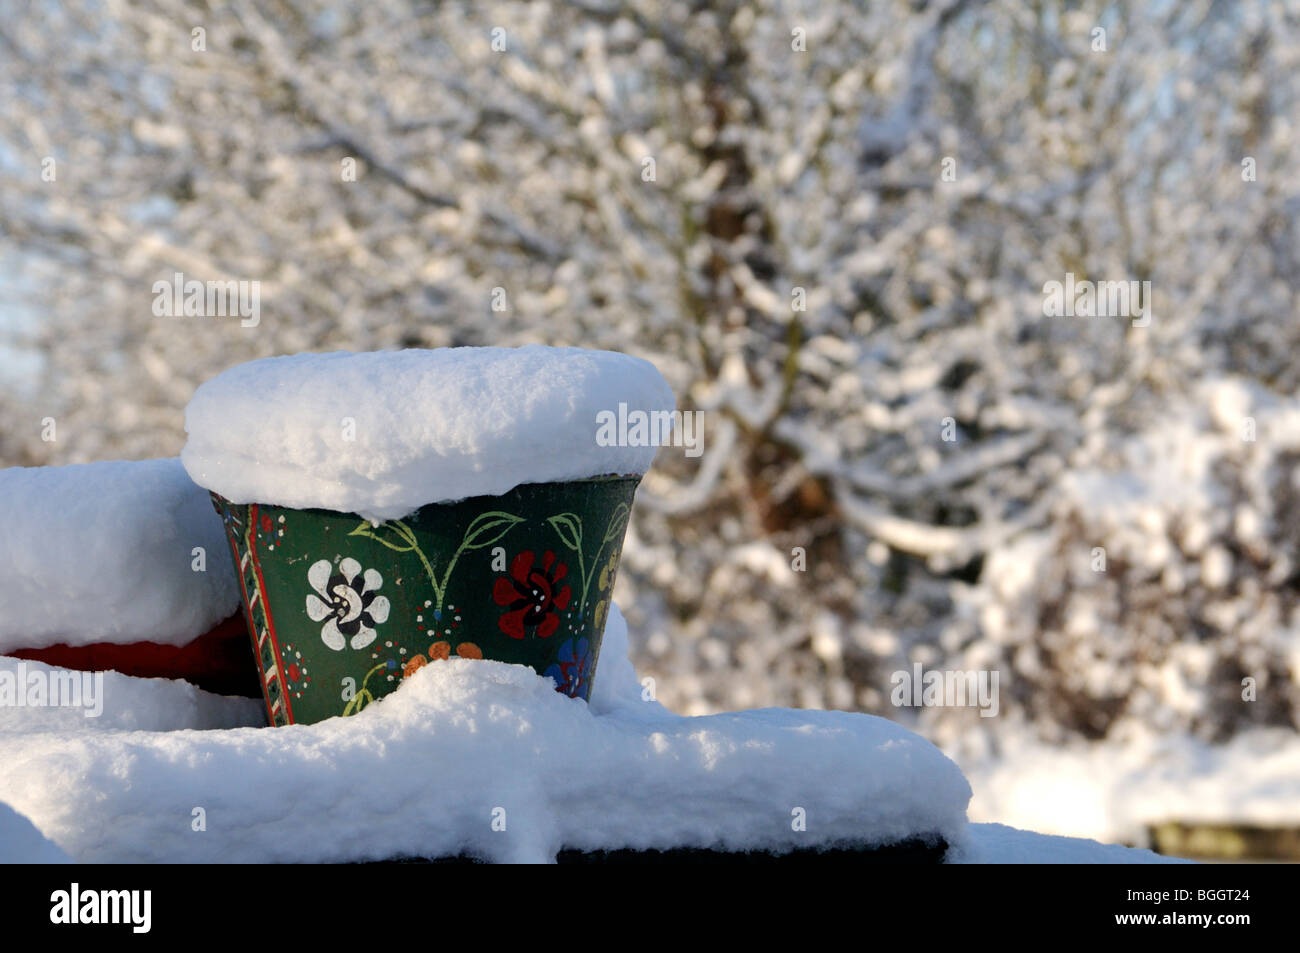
340,610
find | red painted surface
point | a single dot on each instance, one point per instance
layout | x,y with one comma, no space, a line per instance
218,661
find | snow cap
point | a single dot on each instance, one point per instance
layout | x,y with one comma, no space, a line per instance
110,552
383,433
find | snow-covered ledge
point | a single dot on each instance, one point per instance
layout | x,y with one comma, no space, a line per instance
478,759
470,757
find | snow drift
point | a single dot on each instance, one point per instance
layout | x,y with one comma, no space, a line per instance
476,758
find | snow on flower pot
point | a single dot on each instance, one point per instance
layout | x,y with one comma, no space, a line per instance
391,510
120,566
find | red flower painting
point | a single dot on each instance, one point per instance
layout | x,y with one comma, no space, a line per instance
533,595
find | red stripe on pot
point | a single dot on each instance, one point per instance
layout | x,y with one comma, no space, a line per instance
254,636
266,610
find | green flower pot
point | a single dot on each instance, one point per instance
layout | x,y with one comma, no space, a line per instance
341,611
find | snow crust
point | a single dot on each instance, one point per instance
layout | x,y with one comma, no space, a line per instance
104,552
386,432
426,772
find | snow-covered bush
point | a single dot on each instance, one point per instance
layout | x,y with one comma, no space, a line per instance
1166,590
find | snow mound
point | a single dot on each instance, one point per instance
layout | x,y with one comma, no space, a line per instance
384,433
999,844
119,702
22,843
484,759
104,552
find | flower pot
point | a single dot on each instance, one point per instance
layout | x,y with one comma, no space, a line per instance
341,610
